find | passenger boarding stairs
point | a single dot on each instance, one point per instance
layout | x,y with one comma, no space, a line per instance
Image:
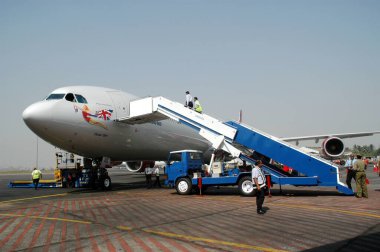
235,138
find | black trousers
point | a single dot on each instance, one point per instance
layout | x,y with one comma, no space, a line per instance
35,182
157,182
260,196
350,176
148,180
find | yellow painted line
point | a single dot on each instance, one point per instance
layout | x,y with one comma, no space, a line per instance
46,218
226,243
199,239
328,209
124,228
37,197
31,182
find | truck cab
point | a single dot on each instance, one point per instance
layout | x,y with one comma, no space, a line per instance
184,171
182,165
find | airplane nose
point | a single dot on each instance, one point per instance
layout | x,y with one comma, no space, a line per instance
36,115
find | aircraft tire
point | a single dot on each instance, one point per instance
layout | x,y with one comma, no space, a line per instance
183,186
246,186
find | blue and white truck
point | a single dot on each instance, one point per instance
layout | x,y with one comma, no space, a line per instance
185,171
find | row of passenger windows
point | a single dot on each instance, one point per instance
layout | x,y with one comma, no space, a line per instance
69,97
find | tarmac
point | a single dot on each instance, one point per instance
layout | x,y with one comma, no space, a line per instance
133,218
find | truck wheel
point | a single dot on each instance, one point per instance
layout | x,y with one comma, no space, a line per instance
106,183
246,186
183,186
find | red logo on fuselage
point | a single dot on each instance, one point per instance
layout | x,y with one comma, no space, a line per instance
104,114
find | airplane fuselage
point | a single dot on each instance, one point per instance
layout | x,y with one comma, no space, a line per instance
82,120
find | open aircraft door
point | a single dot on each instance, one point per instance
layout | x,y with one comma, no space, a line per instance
120,103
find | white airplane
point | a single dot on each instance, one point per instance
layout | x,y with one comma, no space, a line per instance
83,120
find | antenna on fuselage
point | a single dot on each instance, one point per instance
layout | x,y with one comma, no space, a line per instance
240,116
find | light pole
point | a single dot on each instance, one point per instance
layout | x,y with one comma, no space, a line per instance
37,155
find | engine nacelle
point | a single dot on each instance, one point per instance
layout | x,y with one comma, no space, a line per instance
332,147
138,166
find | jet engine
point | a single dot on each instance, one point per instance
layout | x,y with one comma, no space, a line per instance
332,147
138,166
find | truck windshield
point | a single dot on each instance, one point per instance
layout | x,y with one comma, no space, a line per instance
174,157
195,155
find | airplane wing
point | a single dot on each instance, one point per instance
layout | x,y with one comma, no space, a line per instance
318,137
332,146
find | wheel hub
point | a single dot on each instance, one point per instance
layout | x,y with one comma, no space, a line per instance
247,186
183,186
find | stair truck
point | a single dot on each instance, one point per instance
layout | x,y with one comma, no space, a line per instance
235,138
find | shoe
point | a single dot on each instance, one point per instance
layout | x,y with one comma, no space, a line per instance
260,212
357,196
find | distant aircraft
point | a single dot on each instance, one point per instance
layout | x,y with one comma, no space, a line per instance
83,120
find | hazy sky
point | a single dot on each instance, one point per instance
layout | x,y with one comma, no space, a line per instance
294,67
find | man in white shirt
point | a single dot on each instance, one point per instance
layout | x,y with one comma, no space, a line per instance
148,175
258,179
157,173
350,171
189,100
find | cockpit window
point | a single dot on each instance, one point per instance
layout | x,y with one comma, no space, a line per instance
55,96
80,98
70,97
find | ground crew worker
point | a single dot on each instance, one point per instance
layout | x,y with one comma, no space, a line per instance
197,105
366,162
148,175
157,173
36,176
258,179
350,171
189,100
361,186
